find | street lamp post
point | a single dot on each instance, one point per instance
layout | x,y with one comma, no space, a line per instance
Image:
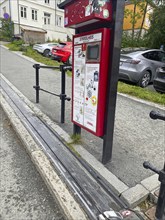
18,16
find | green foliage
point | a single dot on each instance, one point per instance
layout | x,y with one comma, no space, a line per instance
156,34
16,45
138,12
137,41
28,51
39,58
141,93
76,139
7,28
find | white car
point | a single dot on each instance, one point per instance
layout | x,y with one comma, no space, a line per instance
44,48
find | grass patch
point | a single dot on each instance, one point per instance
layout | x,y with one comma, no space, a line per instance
29,52
141,93
122,87
39,57
15,45
76,139
145,205
69,73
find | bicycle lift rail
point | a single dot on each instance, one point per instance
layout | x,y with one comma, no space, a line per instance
160,208
63,97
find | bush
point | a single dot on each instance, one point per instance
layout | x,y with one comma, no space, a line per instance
136,42
16,45
7,28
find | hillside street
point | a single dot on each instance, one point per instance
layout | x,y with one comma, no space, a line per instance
136,137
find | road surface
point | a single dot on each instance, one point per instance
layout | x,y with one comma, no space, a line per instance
23,194
136,137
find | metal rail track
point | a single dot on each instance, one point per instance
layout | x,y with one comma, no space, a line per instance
90,189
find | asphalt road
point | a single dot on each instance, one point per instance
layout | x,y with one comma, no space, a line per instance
136,137
23,194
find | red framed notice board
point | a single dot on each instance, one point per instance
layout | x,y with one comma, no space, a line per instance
91,56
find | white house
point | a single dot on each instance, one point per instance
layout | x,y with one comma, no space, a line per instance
39,20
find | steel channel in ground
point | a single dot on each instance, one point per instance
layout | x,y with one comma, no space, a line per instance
92,208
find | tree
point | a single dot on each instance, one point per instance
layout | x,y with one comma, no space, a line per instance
134,15
156,33
6,30
137,14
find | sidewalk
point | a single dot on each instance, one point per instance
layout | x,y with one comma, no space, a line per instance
23,194
126,150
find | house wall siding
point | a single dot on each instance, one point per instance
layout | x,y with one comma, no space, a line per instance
127,20
53,31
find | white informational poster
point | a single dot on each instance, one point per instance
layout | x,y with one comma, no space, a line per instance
79,82
91,96
85,84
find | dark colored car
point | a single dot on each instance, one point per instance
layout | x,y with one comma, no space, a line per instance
159,80
63,52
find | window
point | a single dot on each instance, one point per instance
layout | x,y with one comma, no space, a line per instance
47,1
162,56
46,18
23,12
59,21
155,55
34,15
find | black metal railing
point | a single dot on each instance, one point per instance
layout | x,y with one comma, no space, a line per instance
160,208
63,97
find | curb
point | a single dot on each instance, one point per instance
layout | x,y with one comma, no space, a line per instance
58,189
131,196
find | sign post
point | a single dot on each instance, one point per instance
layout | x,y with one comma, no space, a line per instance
96,54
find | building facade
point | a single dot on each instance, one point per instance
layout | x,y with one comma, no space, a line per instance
37,18
142,13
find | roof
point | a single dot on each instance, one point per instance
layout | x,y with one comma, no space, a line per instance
63,4
34,29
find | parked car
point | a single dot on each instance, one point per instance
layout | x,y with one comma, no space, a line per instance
44,48
140,66
63,52
159,80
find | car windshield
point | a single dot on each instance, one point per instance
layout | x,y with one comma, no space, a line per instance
61,45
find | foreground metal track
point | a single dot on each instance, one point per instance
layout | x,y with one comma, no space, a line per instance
90,189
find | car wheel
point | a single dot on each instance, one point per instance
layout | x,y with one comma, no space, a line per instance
46,53
159,91
69,61
145,79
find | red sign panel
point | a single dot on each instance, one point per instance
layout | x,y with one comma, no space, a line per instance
83,12
91,55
